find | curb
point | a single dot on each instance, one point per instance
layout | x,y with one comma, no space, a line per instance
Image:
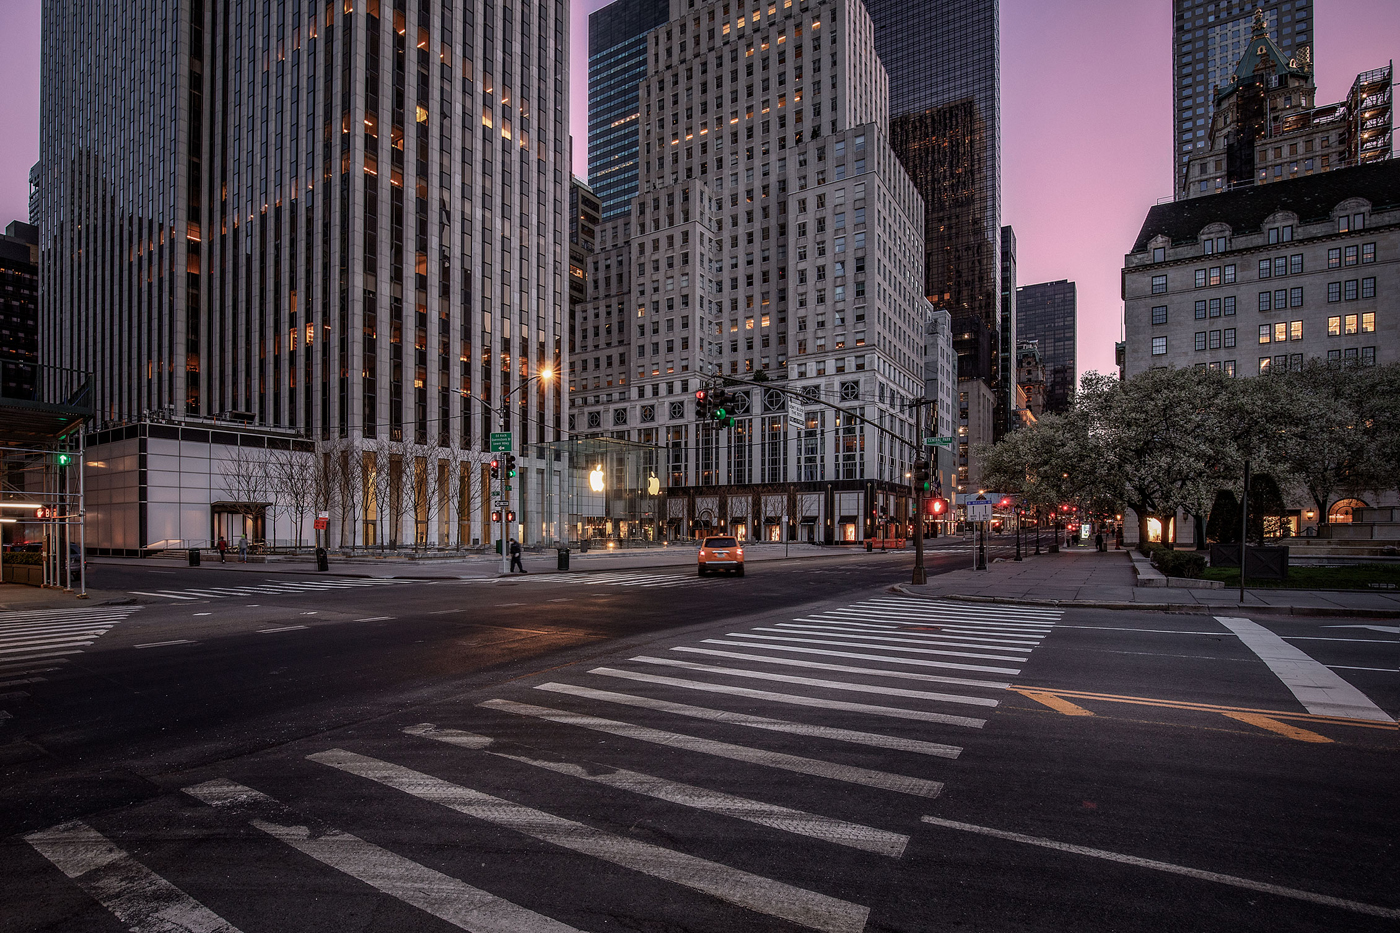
1192,608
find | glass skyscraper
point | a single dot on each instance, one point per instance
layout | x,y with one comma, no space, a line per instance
1046,313
617,64
943,59
1208,39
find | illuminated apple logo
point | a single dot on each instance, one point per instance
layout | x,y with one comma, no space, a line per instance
595,478
653,486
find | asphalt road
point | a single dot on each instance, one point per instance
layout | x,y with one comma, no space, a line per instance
644,750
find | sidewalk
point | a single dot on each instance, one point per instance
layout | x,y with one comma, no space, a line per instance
1088,578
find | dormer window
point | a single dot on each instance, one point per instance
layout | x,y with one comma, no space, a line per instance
1159,254
1212,245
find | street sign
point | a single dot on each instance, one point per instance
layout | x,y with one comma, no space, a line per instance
938,442
796,413
500,441
979,510
321,523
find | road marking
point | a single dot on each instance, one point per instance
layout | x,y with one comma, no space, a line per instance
849,669
163,644
203,613
744,889
909,638
894,712
158,595
1316,687
796,763
1054,702
138,897
1204,707
786,819
906,613
46,643
815,682
854,644
1283,729
1343,667
1388,629
1198,873
875,740
1359,641
923,631
26,680
281,628
430,891
374,619
947,665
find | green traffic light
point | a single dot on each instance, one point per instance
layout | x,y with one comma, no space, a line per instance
63,459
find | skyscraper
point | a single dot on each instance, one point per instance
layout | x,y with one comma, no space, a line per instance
1208,39
617,64
768,192
1046,314
347,222
1008,346
19,311
943,58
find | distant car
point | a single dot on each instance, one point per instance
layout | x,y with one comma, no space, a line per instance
720,553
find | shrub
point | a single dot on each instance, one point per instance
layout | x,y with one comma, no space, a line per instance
1189,564
31,558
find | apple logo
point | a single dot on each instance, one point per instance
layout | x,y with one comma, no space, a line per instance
595,478
653,486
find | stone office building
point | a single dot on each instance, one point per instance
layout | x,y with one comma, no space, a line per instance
1263,278
775,239
346,223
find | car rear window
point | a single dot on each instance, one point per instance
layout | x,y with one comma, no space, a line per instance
720,542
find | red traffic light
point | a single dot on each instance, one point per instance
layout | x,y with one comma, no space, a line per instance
699,395
1005,502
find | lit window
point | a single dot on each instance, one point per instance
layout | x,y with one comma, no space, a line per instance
1368,322
1334,326
1295,330
1351,321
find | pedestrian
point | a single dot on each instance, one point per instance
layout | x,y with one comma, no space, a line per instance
515,556
243,549
1098,542
223,547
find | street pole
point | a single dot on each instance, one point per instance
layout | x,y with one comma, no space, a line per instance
1018,532
982,547
1244,528
920,574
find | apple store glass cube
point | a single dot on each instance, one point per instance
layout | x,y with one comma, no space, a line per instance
609,493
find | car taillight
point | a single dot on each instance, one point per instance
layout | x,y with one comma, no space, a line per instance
740,552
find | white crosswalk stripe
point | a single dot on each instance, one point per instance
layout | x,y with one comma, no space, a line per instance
269,588
686,736
624,578
37,642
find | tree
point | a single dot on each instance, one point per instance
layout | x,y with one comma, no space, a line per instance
325,481
245,481
384,465
292,477
1224,523
351,481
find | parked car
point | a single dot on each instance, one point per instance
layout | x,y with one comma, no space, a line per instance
720,553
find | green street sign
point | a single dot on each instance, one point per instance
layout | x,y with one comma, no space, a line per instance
500,441
938,442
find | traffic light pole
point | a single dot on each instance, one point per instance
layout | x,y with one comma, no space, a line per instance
920,574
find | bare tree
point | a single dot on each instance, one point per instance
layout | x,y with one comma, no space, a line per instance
386,486
350,481
246,482
418,465
325,480
292,475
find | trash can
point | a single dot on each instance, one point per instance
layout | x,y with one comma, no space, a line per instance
563,558
583,545
194,557
869,545
322,563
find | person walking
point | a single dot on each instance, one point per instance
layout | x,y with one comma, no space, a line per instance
1099,542
243,549
515,557
223,548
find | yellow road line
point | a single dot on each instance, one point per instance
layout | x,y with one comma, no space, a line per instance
1067,695
1054,702
1283,729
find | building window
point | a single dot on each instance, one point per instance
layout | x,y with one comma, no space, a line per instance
1159,314
1215,340
1334,326
1344,224
1264,364
1351,321
1159,346
1229,368
1229,337
1200,278
1368,288
1334,291
1368,322
1266,301
1280,265
1265,333
1200,340
1349,290
1295,264
1229,305
1295,330
1368,252
1334,258
1334,355
1230,274
1200,311
1159,285
1280,331
1368,356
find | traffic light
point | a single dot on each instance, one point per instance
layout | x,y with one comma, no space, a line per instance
510,465
722,406
922,479
936,508
62,459
1005,502
510,515
703,405
495,469
495,516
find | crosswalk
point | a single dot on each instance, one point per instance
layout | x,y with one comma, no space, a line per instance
268,588
734,781
36,643
645,580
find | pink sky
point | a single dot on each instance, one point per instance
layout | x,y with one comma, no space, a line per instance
1085,122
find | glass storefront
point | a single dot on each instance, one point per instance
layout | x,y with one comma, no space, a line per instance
608,493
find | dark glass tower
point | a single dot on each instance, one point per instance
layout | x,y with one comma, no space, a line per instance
1006,351
617,63
1046,313
945,126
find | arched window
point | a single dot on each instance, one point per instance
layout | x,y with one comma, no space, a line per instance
1341,511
